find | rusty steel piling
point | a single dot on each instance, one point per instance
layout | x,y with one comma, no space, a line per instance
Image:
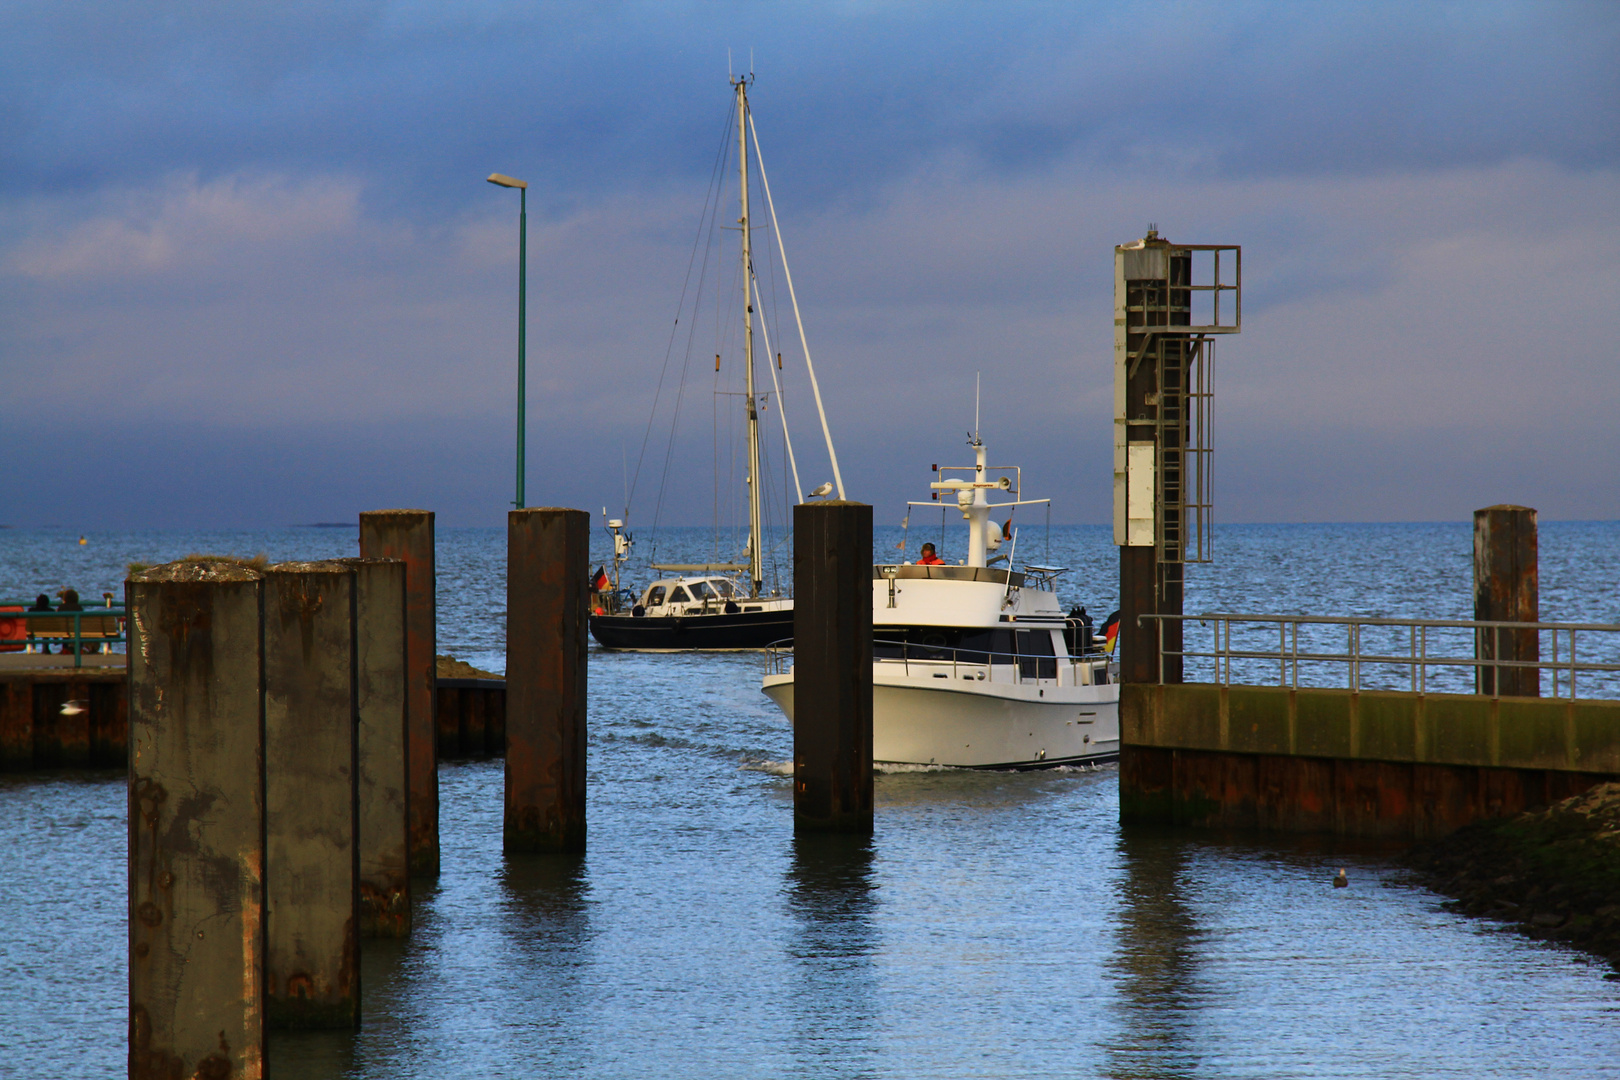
383,705
407,535
1506,589
312,958
832,667
196,822
547,603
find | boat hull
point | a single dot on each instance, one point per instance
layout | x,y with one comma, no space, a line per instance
986,725
686,633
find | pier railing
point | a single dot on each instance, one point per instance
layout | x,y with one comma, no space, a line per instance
1368,653
89,630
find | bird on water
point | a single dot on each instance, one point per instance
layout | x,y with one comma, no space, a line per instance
1341,882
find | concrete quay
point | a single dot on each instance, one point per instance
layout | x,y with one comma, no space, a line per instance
1373,763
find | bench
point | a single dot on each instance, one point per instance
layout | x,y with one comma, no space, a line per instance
59,627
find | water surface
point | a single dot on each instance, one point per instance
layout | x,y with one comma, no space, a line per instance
997,925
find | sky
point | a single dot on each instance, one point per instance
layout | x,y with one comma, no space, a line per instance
251,273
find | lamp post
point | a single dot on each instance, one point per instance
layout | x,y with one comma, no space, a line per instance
523,266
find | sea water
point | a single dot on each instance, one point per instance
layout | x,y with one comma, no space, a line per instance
996,924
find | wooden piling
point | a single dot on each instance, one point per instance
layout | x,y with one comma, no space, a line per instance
312,958
384,720
196,822
832,667
407,535
1506,589
547,604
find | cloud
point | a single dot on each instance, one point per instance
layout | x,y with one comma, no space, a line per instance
184,223
270,229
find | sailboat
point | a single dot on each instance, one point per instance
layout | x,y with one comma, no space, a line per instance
713,606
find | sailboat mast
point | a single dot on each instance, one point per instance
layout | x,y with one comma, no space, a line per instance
756,572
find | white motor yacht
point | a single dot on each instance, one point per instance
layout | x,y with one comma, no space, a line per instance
976,665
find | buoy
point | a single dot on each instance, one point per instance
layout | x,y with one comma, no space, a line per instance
1341,882
82,541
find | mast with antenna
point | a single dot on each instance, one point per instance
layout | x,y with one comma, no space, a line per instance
756,572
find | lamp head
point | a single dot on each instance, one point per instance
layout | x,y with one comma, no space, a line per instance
507,181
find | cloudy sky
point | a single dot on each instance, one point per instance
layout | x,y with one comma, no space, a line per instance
251,273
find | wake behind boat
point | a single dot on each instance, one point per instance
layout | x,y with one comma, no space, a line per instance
712,606
976,665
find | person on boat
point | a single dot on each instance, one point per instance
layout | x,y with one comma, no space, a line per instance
928,557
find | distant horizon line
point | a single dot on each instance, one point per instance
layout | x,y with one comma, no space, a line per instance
771,528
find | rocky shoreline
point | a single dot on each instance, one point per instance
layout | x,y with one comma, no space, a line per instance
1553,873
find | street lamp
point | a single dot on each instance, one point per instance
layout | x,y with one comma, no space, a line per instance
523,265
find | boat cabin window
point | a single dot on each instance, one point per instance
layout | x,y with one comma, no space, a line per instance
678,596
723,587
1036,657
655,596
701,590
965,645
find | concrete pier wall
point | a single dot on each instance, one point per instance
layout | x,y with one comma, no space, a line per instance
35,733
64,718
1362,764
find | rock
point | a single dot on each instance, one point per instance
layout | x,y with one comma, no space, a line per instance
449,667
1555,871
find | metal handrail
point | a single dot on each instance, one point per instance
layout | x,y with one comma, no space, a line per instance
34,638
779,656
1563,669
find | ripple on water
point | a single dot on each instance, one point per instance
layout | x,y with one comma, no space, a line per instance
997,924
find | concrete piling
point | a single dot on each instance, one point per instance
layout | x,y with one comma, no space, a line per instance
380,642
1506,589
312,958
832,667
196,822
407,535
547,604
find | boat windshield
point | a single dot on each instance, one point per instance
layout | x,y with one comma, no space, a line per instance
701,590
678,596
722,586
655,596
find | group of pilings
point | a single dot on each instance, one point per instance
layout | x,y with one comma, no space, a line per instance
283,790
283,767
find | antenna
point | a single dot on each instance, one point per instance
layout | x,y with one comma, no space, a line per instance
750,61
976,406
729,73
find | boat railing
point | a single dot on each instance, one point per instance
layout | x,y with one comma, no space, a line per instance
977,665
1423,656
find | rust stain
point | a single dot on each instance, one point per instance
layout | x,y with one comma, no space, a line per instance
214,1066
145,1061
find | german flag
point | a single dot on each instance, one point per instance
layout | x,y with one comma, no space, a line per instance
1110,633
599,581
